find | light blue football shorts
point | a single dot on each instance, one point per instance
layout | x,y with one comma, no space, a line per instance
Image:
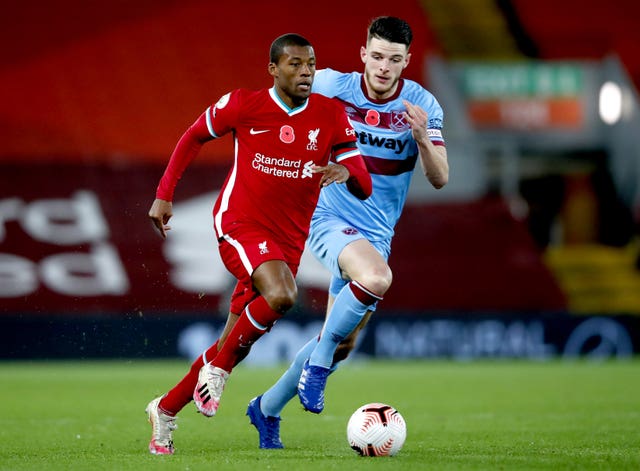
330,234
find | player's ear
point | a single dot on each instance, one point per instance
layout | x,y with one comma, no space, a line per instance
407,60
363,53
273,69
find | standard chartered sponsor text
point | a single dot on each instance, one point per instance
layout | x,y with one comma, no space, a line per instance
279,167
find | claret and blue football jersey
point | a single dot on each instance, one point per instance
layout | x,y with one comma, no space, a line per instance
386,144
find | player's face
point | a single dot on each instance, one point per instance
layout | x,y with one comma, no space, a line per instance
293,74
383,65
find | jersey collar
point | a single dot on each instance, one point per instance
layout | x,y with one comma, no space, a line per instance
290,111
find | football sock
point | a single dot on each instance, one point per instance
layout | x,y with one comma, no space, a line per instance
350,305
286,388
182,393
256,319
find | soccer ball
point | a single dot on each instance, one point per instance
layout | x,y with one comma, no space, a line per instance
376,429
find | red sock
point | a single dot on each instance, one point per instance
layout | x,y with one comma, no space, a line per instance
182,393
256,319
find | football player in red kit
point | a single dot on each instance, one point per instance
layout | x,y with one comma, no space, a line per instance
288,144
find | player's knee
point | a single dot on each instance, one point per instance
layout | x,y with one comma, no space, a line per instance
377,280
281,299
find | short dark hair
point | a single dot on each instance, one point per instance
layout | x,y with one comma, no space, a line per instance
394,30
289,39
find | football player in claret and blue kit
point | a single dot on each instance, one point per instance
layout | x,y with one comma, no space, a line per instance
398,124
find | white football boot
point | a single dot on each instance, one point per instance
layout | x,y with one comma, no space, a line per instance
161,427
207,393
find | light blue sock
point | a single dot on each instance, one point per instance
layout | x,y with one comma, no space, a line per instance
286,388
345,315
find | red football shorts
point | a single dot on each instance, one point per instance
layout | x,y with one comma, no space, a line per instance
244,249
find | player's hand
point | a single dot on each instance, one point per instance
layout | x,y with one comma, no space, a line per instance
334,173
160,213
417,119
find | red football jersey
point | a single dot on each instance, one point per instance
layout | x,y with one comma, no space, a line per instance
270,183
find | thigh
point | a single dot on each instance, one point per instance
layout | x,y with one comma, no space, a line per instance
328,236
362,257
274,278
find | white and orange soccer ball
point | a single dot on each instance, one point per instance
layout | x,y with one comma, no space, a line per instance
376,429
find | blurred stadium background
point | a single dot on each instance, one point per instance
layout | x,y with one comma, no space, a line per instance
530,252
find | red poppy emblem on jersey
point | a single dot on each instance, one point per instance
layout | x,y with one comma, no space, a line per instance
350,231
286,134
372,118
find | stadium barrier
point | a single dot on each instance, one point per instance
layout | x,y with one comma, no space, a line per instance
388,336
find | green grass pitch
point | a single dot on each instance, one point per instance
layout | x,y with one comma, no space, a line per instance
482,415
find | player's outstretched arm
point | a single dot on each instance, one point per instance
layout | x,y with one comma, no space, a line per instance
185,151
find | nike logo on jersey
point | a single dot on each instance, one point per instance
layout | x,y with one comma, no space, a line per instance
253,132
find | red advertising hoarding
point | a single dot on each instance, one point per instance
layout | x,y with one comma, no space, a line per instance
77,240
